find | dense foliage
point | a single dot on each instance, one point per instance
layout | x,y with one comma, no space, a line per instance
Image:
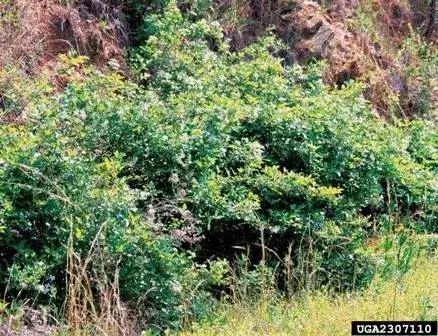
205,150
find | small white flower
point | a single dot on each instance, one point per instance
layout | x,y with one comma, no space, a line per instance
257,149
176,287
174,178
82,115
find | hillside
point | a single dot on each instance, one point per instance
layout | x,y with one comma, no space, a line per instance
166,166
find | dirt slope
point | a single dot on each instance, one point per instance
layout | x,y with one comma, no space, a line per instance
33,33
361,40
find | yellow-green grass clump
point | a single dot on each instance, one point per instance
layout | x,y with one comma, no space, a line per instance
320,314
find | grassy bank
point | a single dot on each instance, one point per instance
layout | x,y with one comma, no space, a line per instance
415,298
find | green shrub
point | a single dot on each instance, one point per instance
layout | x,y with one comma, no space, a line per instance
207,150
53,187
275,147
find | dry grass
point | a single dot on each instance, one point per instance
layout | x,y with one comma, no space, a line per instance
93,304
33,33
323,314
360,39
20,35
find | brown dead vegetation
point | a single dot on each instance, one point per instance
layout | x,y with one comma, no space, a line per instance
328,30
33,33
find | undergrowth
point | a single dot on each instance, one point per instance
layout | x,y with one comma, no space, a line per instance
137,204
322,313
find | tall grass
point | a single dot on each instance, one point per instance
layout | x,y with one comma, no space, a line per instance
93,304
323,313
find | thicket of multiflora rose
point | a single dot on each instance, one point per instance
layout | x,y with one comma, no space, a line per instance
157,181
